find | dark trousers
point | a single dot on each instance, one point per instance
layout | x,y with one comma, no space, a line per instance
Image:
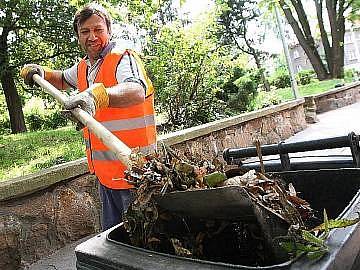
114,203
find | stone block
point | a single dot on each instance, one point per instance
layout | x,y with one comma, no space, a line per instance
10,249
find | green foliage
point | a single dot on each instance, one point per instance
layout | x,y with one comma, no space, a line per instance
4,124
354,14
233,24
55,120
300,241
37,117
241,89
305,77
22,154
36,31
280,79
34,121
265,99
185,64
349,73
42,32
235,20
51,120
4,118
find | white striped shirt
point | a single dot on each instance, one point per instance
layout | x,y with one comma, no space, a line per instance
127,70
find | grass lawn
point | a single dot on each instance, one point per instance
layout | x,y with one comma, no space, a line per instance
25,153
286,94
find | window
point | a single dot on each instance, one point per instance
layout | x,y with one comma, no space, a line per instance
296,54
348,37
357,33
350,55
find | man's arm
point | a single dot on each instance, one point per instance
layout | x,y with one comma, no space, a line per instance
56,78
130,90
125,94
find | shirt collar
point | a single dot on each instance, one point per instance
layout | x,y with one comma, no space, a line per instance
103,53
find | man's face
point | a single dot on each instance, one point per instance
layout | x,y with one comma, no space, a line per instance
93,36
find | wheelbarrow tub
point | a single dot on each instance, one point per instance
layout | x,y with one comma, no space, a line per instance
336,190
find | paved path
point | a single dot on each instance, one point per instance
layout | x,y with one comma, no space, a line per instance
335,123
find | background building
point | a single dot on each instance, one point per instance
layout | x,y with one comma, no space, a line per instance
300,61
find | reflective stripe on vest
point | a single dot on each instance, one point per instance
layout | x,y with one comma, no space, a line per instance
127,124
134,125
109,155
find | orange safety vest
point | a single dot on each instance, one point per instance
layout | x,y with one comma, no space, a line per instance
133,125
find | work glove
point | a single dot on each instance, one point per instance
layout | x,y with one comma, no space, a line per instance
93,98
68,114
28,71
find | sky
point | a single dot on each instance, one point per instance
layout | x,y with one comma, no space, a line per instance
195,7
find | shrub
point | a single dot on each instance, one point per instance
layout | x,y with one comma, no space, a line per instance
51,120
349,73
305,76
34,121
281,78
239,90
39,118
54,120
265,99
246,92
5,125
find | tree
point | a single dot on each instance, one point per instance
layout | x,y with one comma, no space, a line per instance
334,49
33,31
240,89
234,20
185,63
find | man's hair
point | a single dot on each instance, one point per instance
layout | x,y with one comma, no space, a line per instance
87,11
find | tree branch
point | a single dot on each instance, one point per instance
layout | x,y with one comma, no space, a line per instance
303,19
350,2
324,36
45,57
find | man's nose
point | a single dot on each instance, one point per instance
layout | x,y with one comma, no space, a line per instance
92,35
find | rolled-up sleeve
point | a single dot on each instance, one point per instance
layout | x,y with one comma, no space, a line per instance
129,71
70,76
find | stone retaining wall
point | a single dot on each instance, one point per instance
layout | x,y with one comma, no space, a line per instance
42,212
336,98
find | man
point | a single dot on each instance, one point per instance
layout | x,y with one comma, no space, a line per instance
122,100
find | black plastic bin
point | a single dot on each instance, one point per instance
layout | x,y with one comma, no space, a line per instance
333,189
326,182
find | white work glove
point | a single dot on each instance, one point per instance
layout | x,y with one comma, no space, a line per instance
90,100
28,71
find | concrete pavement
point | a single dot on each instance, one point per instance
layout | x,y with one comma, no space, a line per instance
334,123
63,259
331,124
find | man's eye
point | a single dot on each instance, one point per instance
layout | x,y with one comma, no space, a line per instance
84,32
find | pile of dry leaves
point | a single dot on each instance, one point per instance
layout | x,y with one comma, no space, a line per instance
158,174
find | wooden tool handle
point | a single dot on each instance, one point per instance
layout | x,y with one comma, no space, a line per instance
121,150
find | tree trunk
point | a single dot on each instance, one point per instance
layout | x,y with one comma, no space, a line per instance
308,46
266,84
252,51
337,25
13,102
324,35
